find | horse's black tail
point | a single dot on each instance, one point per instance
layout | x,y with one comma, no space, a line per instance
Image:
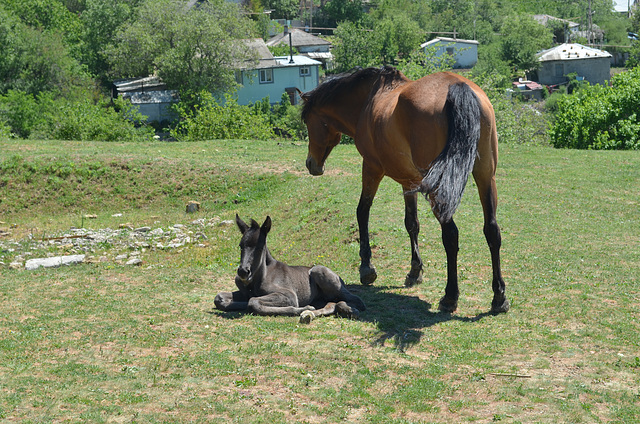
448,173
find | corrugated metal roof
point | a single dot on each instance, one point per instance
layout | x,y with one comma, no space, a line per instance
570,51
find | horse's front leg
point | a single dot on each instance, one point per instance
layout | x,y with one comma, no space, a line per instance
370,182
279,303
227,301
412,224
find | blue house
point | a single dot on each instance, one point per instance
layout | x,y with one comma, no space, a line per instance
273,76
465,52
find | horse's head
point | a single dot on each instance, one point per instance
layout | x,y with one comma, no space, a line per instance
253,248
323,137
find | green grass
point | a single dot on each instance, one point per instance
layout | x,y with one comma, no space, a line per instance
102,342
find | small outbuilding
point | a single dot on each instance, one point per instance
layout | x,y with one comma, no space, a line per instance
464,51
557,63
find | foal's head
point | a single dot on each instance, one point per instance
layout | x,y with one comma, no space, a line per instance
253,248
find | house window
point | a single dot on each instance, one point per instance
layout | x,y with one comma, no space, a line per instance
305,71
450,51
266,76
239,77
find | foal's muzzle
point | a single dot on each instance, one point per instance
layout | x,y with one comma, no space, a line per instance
313,167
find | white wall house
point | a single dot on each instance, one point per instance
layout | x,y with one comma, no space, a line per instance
273,76
464,51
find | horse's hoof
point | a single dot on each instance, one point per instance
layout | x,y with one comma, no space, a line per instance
448,306
368,275
412,281
500,307
306,317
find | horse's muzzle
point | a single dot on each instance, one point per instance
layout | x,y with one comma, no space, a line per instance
313,167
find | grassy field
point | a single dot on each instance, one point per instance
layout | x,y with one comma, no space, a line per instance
106,342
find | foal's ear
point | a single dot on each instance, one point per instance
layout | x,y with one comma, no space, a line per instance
266,227
241,224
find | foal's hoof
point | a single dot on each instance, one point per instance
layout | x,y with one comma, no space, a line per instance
447,305
368,275
345,311
411,281
306,317
499,307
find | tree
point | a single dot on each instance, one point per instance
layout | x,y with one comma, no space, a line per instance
282,9
522,38
356,46
190,49
36,60
101,19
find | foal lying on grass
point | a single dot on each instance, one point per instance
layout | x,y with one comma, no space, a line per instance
269,287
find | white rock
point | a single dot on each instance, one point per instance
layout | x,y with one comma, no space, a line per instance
54,261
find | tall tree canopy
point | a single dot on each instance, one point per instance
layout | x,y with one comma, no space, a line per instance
190,49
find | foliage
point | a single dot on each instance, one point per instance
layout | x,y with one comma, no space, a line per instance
634,55
36,60
101,20
335,12
356,46
522,38
600,117
210,119
46,117
190,50
282,9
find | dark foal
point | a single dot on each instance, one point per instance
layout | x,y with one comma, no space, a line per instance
269,287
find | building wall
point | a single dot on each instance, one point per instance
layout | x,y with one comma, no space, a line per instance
466,54
284,77
594,70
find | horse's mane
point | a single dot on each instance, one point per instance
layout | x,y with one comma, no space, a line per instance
325,92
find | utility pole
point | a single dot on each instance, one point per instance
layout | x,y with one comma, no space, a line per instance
590,24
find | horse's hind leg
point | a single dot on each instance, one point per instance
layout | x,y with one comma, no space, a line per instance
488,197
412,224
449,302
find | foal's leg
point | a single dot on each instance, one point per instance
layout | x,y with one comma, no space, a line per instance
489,199
279,303
371,178
449,302
332,289
412,224
227,301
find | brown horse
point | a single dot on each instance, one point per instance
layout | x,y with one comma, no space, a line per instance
428,135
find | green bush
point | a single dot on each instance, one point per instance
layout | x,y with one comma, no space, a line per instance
209,120
42,116
600,117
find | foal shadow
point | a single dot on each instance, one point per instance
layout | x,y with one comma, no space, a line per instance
401,318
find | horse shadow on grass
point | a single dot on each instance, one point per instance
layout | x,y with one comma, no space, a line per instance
400,318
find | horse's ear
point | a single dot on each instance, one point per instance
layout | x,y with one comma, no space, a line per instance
266,227
241,224
303,96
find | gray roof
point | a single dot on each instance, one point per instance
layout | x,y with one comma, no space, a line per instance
299,38
569,51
